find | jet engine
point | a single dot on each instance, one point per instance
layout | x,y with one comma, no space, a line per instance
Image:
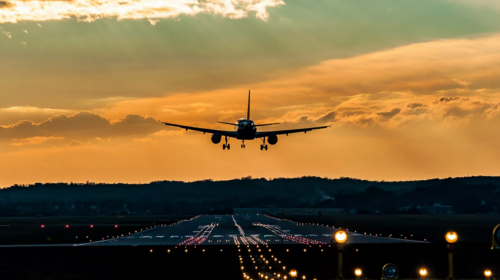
216,138
272,139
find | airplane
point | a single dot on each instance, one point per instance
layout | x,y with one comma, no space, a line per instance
246,129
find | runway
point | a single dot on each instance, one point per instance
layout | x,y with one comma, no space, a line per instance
238,229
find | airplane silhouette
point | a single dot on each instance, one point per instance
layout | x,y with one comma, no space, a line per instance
246,130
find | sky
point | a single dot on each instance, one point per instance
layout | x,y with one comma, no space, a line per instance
410,88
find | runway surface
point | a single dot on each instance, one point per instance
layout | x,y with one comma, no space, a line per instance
238,229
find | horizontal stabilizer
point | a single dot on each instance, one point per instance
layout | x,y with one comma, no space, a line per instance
229,123
265,124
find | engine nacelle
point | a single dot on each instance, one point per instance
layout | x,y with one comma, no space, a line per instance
272,139
216,138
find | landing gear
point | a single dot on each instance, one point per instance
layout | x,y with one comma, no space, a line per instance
243,144
224,146
264,145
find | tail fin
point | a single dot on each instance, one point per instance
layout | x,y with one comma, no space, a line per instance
248,110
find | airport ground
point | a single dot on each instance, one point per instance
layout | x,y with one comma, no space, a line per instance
206,247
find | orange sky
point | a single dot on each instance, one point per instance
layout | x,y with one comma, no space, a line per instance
416,110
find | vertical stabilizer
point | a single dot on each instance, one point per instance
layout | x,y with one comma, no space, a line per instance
248,110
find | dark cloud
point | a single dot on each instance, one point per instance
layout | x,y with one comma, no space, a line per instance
328,117
450,99
81,126
415,105
6,4
388,115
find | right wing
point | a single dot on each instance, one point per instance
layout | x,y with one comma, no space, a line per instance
205,130
278,132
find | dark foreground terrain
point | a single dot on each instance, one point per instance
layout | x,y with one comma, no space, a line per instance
316,263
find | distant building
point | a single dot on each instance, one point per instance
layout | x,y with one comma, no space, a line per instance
438,208
291,211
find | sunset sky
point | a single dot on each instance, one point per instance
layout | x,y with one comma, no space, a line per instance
410,88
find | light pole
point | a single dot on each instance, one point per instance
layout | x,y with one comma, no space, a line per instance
423,273
358,272
487,274
451,238
340,238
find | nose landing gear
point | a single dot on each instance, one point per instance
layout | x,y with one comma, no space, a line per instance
264,145
243,144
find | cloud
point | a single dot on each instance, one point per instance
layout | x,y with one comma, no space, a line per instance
33,140
6,5
91,10
388,115
81,126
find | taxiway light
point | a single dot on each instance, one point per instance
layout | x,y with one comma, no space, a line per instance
293,273
358,272
341,236
487,273
422,272
451,237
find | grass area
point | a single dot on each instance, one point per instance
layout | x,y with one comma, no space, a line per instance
92,220
17,231
471,228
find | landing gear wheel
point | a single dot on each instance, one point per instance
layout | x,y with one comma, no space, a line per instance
224,146
261,147
265,147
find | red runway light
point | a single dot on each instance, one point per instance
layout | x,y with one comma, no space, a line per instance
67,226
91,225
116,226
42,226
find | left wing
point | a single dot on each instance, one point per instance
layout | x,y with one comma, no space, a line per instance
277,132
204,130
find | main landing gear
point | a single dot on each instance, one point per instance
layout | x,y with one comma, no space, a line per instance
224,146
264,145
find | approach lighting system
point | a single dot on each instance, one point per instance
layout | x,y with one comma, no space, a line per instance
487,273
422,272
451,237
358,272
341,236
390,271
293,273
496,238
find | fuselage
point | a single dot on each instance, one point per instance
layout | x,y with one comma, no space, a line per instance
245,130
